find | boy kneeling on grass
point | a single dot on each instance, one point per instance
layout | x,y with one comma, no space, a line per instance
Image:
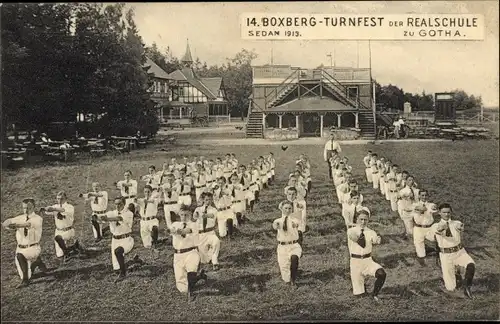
185,235
289,250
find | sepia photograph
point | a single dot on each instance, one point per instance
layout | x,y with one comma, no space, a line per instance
250,161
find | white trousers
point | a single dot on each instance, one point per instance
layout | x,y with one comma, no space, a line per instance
285,252
222,217
198,192
419,234
66,236
376,180
146,231
185,200
209,247
184,263
31,254
394,201
382,184
406,216
126,243
448,263
368,172
361,268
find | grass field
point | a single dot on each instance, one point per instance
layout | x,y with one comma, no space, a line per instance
248,285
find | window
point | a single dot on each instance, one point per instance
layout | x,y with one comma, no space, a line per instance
352,93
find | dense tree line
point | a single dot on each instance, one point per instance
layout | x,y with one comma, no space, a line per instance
65,59
393,97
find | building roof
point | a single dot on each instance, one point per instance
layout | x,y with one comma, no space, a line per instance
157,71
187,58
213,84
311,104
208,86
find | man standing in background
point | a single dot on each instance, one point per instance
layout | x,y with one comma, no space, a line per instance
332,147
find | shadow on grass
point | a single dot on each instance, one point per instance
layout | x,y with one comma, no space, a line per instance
96,271
435,287
252,283
246,258
318,229
326,275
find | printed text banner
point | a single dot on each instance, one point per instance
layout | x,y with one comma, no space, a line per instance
281,26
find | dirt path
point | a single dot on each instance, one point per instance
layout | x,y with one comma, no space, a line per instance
300,141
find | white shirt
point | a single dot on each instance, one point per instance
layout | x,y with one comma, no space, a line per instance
330,146
366,161
239,194
291,234
34,232
132,190
349,210
190,240
223,201
171,197
151,208
456,228
184,186
151,180
98,204
353,234
69,213
121,227
200,211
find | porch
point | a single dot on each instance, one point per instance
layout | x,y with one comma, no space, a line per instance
311,117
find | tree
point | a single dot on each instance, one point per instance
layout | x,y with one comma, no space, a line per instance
156,56
463,101
36,71
237,75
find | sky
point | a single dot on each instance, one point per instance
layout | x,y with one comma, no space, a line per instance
213,30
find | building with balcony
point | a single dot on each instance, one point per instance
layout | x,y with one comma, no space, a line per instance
194,96
161,89
291,102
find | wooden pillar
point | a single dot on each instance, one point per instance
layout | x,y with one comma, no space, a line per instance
280,119
339,120
297,125
180,112
321,125
263,121
356,123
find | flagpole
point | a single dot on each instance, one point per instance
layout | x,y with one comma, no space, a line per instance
372,90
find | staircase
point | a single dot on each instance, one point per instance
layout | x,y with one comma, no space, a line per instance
254,125
366,124
285,91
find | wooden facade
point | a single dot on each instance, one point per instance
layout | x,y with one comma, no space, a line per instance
161,89
196,96
308,101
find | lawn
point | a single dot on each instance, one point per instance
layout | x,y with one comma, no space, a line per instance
248,285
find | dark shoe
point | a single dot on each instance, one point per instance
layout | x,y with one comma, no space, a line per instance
120,277
190,297
203,275
43,268
421,261
99,239
468,293
405,237
137,260
375,298
23,284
